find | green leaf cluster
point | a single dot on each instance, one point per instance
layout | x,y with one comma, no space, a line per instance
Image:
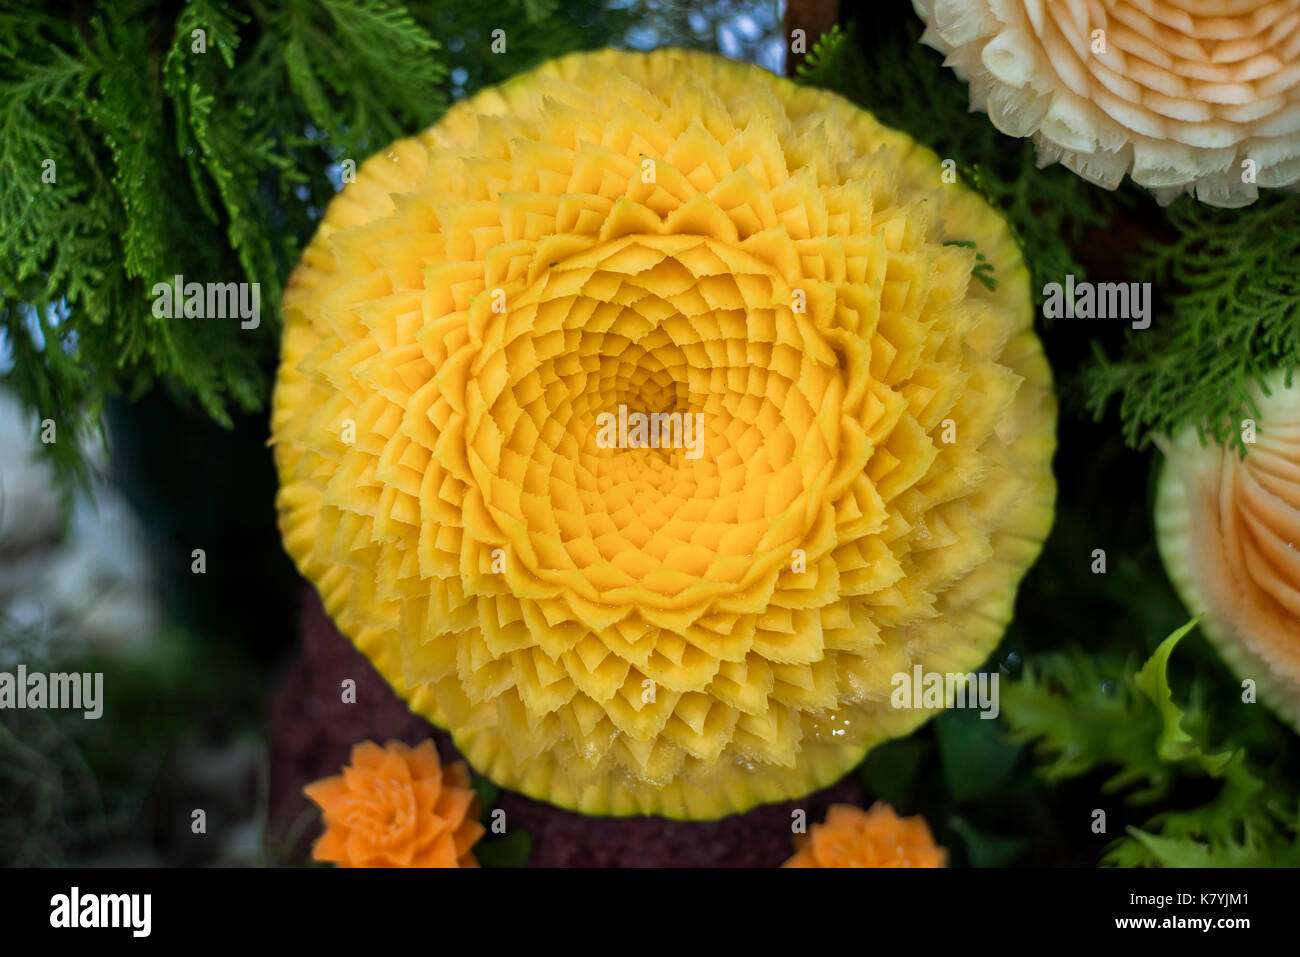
1232,302
141,140
1085,715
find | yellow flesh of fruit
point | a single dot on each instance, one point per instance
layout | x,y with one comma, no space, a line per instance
632,630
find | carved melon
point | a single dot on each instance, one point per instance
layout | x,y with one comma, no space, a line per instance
1229,534
659,628
1183,96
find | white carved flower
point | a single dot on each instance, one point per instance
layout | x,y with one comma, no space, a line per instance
1184,96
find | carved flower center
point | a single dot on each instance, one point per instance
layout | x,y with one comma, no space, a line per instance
384,811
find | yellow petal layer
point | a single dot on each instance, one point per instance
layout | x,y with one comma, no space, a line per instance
693,628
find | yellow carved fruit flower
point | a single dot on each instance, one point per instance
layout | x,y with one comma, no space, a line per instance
852,837
1229,534
1184,96
691,626
397,807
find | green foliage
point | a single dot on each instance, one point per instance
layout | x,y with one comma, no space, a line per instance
70,788
1175,743
1083,713
890,771
50,797
487,793
984,849
509,850
212,160
1249,823
334,50
1083,717
974,752
1232,305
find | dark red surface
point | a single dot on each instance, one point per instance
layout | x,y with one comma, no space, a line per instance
312,733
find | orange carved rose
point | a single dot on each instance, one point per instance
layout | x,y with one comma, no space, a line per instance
852,837
397,807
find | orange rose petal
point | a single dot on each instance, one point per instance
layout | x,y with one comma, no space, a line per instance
803,858
360,848
358,779
331,846
424,762
327,792
441,853
394,767
844,815
367,754
467,836
852,837
453,805
426,791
